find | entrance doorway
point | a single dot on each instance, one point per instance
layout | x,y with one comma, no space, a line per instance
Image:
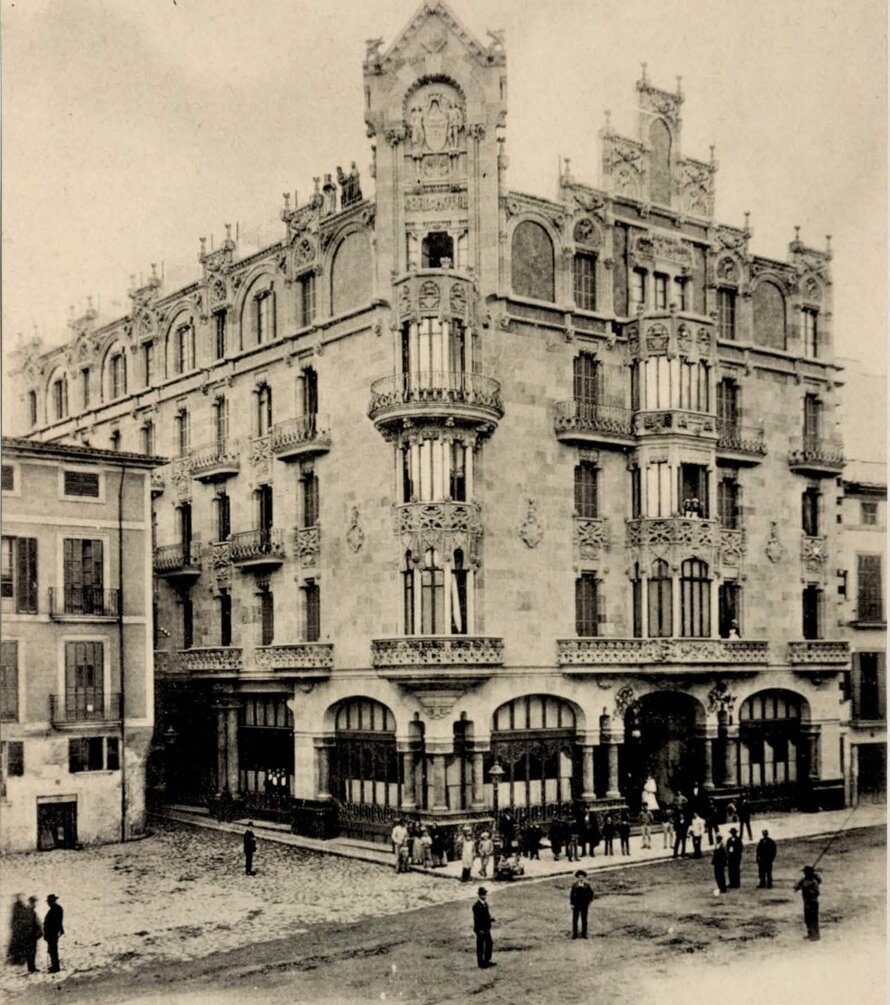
659,740
57,825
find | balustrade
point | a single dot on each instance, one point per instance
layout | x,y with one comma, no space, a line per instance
213,659
635,652
83,602
257,547
818,652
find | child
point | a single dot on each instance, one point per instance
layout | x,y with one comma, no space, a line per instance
646,821
624,832
426,848
667,827
608,834
486,850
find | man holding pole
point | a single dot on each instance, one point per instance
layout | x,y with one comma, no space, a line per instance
809,890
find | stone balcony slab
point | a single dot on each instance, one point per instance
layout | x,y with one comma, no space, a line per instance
428,660
302,437
211,660
306,660
582,655
818,653
216,461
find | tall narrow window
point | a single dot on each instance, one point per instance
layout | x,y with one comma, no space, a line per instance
728,502
637,599
587,384
694,490
85,387
306,299
812,421
681,293
728,406
221,423
219,334
118,375
223,518
638,288
586,501
585,281
32,408
263,410
695,599
60,398
432,594
809,511
408,593
188,623
148,363
309,485
84,680
870,606
265,513
810,332
264,315
636,493
84,576
267,618
18,583
436,249
182,432
147,436
183,349
115,439
868,695
661,291
730,608
726,314
225,618
184,526
457,475
458,594
660,600
309,397
587,605
9,681
312,602
812,611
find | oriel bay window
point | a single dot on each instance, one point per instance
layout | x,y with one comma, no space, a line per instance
436,470
674,383
437,596
432,349
695,599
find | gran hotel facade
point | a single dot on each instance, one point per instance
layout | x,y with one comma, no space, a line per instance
460,475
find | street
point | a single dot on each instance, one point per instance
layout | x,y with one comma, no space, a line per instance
174,920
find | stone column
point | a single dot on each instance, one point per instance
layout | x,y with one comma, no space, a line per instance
478,800
409,776
587,774
221,745
731,755
439,797
323,748
707,740
810,735
232,782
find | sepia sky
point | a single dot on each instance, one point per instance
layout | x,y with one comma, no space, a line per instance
132,128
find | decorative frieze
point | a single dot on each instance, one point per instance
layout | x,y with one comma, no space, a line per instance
618,652
307,546
439,293
813,553
591,537
675,421
442,526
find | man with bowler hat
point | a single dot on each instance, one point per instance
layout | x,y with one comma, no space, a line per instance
766,855
580,898
482,920
809,890
52,929
249,849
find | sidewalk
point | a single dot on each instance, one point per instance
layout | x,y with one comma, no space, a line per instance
782,827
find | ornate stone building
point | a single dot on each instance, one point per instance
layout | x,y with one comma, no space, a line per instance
462,475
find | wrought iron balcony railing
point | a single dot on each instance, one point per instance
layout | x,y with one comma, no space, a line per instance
818,454
84,705
177,559
301,437
83,602
738,439
257,546
217,460
425,388
608,651
579,416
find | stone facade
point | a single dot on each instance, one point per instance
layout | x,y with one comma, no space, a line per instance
77,678
518,448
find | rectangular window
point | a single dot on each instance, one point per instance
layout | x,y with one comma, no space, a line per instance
84,680
812,421
868,513
728,405
182,433
223,516
83,572
306,302
585,282
93,753
60,398
586,502
8,478
219,334
870,700
309,483
9,681
636,494
870,605
587,605
220,423
264,316
312,601
32,408
661,611
810,332
694,490
82,483
118,375
695,600
263,410
225,618
730,608
726,314
587,384
267,618
728,503
681,291
148,438
18,581
809,511
12,759
85,387
812,612
661,292
148,362
638,288
188,623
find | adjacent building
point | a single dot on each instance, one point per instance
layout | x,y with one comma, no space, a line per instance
76,681
464,477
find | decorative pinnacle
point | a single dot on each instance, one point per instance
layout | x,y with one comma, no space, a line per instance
203,241
286,201
132,280
713,147
797,235
154,272
828,244
228,232
643,77
679,87
608,120
747,223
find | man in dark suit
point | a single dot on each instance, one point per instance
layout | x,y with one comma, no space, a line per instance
766,855
718,859
52,929
482,920
734,858
249,849
580,897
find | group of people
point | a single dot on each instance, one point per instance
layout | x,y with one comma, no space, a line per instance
26,931
416,844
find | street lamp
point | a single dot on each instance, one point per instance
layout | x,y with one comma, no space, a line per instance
495,773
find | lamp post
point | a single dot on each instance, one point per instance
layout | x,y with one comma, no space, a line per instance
496,773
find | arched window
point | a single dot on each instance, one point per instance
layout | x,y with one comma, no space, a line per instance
695,599
458,594
366,764
770,745
660,600
58,396
258,316
32,408
116,372
660,162
768,303
220,423
534,273
432,594
181,346
351,273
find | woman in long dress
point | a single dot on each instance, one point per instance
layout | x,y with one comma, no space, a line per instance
650,794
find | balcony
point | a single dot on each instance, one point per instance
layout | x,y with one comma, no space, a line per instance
581,655
84,706
708,539
819,653
211,660
83,603
741,444
817,455
428,660
178,561
305,660
676,422
257,549
440,525
468,397
588,424
435,293
305,436
215,462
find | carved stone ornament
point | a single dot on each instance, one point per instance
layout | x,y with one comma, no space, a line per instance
355,536
727,270
531,530
624,699
435,121
304,253
719,698
774,549
587,233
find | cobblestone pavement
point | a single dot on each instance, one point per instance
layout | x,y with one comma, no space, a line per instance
182,893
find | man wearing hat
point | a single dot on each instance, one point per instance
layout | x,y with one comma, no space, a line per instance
580,898
482,920
809,890
249,849
734,858
33,933
52,929
486,850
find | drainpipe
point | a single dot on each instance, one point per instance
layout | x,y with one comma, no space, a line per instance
120,650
